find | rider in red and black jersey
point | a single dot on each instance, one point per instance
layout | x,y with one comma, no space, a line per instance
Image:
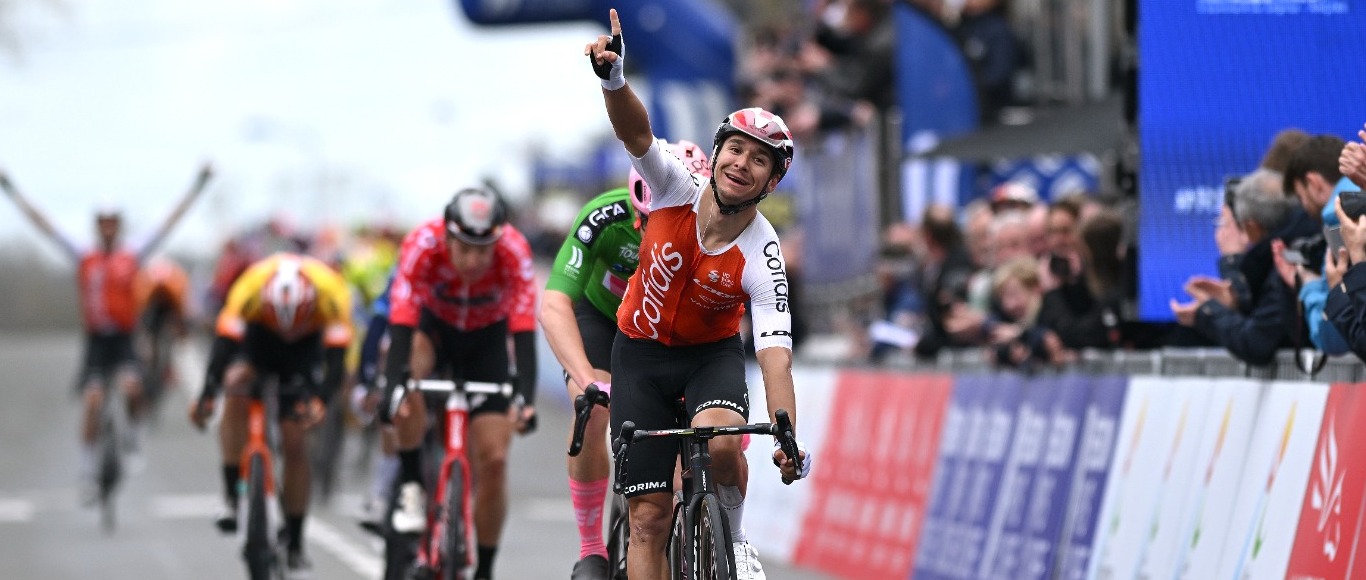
464,284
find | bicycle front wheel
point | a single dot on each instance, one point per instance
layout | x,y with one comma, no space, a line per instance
618,537
456,546
256,550
110,471
715,556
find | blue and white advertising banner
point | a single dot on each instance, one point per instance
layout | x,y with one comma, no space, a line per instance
1270,491
1043,524
970,528
1220,78
1095,452
964,424
1028,517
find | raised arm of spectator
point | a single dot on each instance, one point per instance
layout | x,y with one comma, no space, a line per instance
627,114
159,236
39,220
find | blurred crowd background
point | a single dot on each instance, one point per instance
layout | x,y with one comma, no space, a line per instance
967,170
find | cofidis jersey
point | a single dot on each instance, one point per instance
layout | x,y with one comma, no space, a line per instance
683,294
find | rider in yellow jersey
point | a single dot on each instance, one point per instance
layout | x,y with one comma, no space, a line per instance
284,316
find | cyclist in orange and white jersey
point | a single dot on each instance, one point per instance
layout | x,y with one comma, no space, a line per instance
106,275
285,316
706,251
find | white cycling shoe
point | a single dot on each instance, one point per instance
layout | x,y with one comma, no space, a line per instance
410,516
747,565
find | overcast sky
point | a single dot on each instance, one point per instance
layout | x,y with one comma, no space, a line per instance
319,108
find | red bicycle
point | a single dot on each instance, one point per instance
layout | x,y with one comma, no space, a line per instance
446,549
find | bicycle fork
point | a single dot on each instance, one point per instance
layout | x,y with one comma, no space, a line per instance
433,552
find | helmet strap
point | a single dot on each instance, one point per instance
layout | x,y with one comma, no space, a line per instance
732,209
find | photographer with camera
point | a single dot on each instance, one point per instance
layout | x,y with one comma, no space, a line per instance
1313,175
1266,215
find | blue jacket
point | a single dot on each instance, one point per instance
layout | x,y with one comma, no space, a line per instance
1314,294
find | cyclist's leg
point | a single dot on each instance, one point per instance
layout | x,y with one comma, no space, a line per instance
409,426
128,376
490,438
238,380
298,365
92,379
297,479
717,395
589,471
647,379
482,355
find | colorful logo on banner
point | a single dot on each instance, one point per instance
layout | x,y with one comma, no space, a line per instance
1098,443
1274,481
868,500
1327,540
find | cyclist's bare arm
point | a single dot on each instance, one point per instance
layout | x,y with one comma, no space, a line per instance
187,200
776,365
562,332
624,109
39,220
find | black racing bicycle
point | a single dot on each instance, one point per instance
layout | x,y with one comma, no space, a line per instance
700,545
110,438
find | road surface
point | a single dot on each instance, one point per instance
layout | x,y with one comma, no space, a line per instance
165,511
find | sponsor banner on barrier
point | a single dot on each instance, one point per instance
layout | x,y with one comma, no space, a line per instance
964,530
962,421
1161,532
1273,482
1005,526
876,463
773,508
1155,414
1221,434
1047,504
1100,429
1328,541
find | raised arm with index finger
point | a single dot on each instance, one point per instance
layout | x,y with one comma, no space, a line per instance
626,112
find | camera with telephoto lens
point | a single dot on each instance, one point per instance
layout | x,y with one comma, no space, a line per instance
1307,252
1353,204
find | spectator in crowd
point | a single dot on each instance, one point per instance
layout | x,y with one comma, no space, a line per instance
946,268
1086,309
1265,214
1283,145
1313,176
1011,332
1345,306
851,56
993,52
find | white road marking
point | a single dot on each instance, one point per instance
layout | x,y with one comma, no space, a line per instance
16,511
186,506
358,558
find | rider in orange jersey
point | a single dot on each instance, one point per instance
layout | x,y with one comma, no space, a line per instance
705,253
105,277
